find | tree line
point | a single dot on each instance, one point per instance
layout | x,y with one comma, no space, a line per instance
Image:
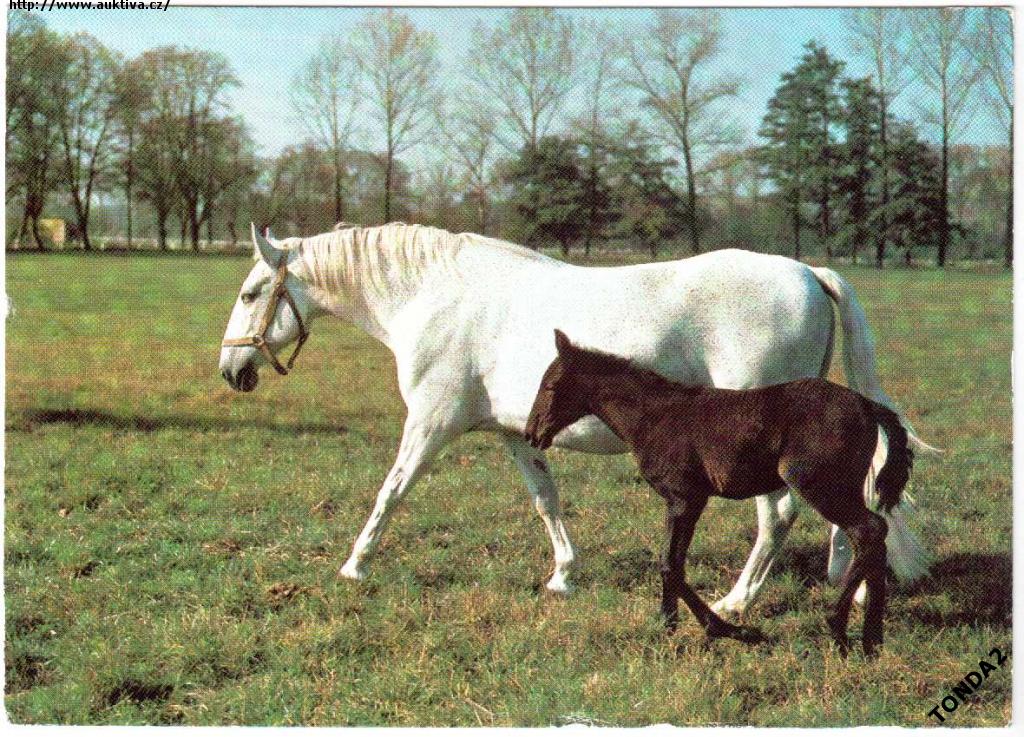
552,131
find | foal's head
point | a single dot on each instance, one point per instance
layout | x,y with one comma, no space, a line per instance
561,399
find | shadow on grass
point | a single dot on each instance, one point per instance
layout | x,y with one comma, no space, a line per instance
25,421
809,563
979,584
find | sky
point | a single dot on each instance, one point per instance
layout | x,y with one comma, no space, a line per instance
266,46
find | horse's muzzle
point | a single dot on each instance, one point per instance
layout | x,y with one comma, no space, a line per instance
244,381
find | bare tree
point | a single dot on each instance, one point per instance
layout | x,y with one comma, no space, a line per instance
37,62
131,100
86,122
993,52
878,35
399,66
180,131
943,62
525,66
468,133
668,67
596,74
325,96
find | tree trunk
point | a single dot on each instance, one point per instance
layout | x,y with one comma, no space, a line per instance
232,232
161,228
35,232
83,231
22,226
796,229
193,228
883,224
691,194
1008,233
209,226
129,177
944,194
339,210
565,249
826,187
387,187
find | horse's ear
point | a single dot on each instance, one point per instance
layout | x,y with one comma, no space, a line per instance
263,248
562,344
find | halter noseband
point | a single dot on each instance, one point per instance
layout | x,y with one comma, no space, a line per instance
259,340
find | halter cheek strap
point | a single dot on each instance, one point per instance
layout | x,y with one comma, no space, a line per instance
259,340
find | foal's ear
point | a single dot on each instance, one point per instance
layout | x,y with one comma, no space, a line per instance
562,344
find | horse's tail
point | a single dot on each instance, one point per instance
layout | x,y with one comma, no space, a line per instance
887,477
859,347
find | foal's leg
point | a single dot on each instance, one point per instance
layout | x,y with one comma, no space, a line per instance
421,441
534,468
776,513
680,520
868,536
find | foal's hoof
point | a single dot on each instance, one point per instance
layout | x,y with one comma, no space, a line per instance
871,649
839,636
750,635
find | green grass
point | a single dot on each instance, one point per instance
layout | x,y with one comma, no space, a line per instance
171,546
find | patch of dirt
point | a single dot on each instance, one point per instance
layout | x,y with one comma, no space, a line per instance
137,692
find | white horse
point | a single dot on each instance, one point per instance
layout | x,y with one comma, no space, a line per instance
469,320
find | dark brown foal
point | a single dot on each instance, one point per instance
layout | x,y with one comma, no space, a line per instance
695,442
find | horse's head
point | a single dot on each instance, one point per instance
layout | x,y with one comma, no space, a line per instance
560,400
272,310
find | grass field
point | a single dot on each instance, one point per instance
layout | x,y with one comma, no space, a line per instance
171,546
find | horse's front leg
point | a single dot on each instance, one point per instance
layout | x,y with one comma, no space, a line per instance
421,441
776,513
534,468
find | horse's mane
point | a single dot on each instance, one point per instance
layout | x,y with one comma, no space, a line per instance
396,251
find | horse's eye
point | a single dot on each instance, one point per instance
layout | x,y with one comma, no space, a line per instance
249,297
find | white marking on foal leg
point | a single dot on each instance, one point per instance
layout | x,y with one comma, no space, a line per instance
840,555
418,448
534,468
776,513
840,558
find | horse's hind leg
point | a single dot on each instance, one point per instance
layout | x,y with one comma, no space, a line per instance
534,468
421,441
776,513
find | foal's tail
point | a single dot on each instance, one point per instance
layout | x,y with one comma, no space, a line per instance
904,553
859,361
899,459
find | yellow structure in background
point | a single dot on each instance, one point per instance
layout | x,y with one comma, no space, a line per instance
53,230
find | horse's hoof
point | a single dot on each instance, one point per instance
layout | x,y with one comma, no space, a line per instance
728,606
352,572
558,585
862,593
